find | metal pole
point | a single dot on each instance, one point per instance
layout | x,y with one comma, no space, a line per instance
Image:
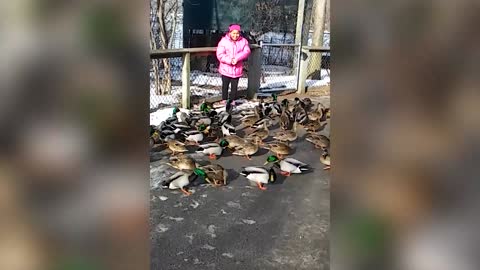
299,36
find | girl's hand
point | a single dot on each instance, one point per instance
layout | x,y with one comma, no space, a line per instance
234,61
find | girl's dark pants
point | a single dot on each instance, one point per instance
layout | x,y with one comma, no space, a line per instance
225,83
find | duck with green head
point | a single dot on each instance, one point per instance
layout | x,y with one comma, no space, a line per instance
259,175
202,173
216,174
182,117
181,180
213,149
229,105
196,136
275,105
285,105
206,107
288,165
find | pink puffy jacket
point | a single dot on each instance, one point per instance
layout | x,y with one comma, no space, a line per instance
228,49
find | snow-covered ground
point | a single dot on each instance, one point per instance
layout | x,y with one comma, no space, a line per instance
275,78
162,114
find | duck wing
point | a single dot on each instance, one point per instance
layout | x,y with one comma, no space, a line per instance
296,162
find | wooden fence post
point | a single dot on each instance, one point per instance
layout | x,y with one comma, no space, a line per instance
302,75
254,72
186,81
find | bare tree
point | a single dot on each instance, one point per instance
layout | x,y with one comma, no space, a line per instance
163,28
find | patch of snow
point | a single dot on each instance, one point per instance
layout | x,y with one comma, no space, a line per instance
248,221
177,219
190,238
194,204
229,255
211,231
161,228
161,115
207,246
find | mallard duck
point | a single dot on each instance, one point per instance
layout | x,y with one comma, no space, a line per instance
182,162
325,159
228,129
284,120
176,146
177,127
215,173
259,124
182,117
315,125
228,106
316,114
307,102
301,116
327,113
224,117
181,180
206,107
288,165
198,120
259,134
194,136
213,131
245,113
212,149
259,175
287,135
319,140
249,121
155,138
273,107
288,108
247,149
233,141
299,103
278,148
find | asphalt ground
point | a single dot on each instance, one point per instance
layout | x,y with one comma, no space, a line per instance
239,226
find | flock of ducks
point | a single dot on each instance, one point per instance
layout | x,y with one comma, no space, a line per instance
212,132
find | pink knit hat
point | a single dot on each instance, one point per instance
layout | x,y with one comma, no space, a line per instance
234,27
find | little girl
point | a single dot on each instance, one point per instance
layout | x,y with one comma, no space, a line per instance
231,51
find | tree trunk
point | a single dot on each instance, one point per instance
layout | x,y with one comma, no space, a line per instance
155,63
318,24
174,26
166,85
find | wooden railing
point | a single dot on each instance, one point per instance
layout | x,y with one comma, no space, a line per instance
254,67
304,60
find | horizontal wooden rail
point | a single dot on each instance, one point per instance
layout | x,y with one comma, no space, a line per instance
169,53
254,66
316,48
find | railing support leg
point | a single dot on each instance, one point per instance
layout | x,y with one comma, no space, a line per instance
186,81
254,72
302,75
